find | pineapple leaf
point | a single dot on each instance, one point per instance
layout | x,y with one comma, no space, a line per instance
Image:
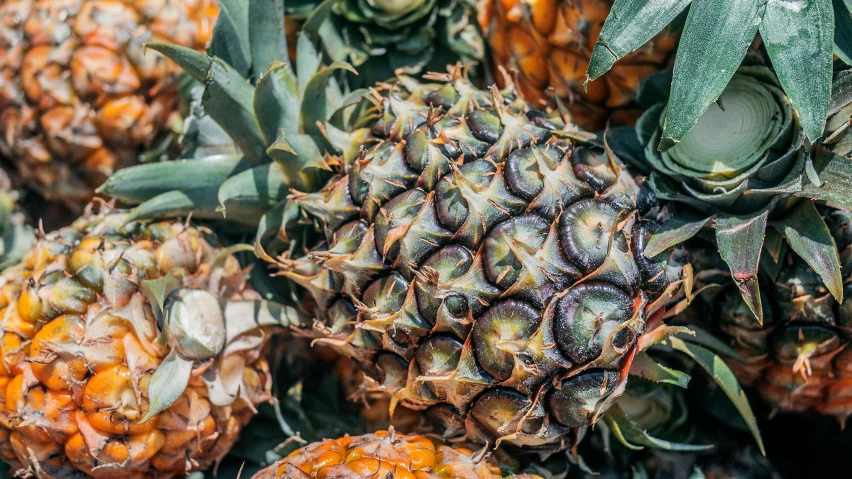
195,63
229,99
714,42
645,367
167,384
740,241
156,290
673,232
809,237
843,30
266,34
630,24
799,40
633,437
300,161
318,16
258,190
841,89
724,377
140,183
244,316
835,173
308,60
704,338
277,102
199,202
230,40
314,101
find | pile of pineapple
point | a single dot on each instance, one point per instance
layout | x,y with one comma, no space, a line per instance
423,239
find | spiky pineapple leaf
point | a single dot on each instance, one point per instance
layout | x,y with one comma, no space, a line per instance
799,37
715,39
644,366
318,16
835,174
315,103
704,338
140,183
724,377
257,190
630,24
230,40
277,102
808,235
674,232
229,99
843,29
199,202
193,62
740,241
167,383
634,437
156,290
266,34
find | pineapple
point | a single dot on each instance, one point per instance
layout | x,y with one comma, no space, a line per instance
79,97
549,44
119,356
476,255
386,454
15,234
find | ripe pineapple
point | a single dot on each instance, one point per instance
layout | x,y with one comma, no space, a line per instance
480,260
549,43
386,454
118,359
79,97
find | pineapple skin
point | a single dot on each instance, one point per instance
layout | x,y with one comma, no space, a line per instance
79,96
482,267
78,351
386,454
549,44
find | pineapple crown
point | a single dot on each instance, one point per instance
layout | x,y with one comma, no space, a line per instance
715,39
747,172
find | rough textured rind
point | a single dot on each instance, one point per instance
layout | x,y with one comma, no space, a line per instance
79,96
79,347
482,266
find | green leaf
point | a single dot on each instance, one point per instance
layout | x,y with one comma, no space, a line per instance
633,437
201,203
714,42
724,377
266,34
630,24
843,30
258,189
308,59
740,241
140,183
835,173
314,103
704,338
167,384
230,40
808,235
674,232
645,367
244,316
277,102
156,290
193,62
799,37
229,99
318,16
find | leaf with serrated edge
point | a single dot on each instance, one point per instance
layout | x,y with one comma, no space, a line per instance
644,366
629,25
835,172
714,42
799,37
633,437
740,241
724,377
314,103
674,232
808,235
167,384
193,62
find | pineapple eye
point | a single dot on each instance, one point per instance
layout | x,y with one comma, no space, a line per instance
502,264
500,411
585,317
575,402
795,343
500,336
585,230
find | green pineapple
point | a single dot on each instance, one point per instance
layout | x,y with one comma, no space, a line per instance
481,258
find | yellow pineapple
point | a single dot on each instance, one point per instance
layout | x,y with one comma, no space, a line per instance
79,96
549,43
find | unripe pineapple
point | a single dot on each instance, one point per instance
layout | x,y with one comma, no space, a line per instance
549,44
386,454
119,356
79,96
